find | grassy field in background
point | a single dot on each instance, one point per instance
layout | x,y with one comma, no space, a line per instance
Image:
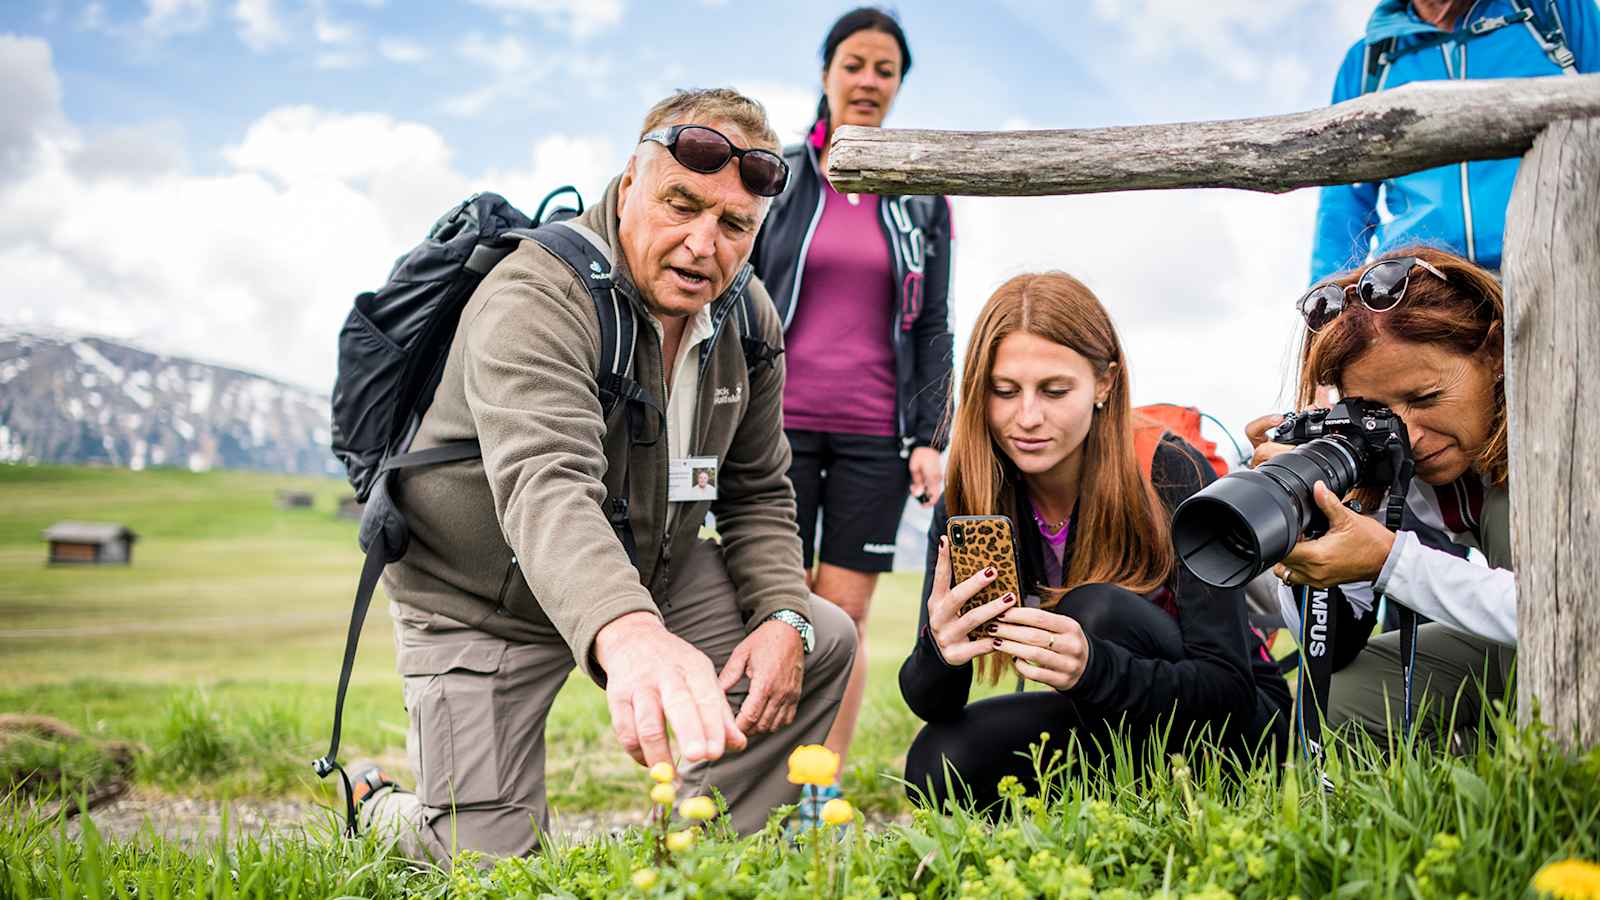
218,649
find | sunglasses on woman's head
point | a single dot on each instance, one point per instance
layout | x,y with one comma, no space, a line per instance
1381,288
706,150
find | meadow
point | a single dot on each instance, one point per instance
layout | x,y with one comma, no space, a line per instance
216,653
218,650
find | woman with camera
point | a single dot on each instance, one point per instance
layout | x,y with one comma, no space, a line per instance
1422,332
1120,636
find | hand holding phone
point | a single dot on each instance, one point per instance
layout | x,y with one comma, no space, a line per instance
960,614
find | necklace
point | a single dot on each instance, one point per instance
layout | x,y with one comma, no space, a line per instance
1051,526
854,198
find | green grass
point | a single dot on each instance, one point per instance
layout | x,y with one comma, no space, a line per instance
1411,823
218,649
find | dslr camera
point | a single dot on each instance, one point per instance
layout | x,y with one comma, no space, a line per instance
1245,522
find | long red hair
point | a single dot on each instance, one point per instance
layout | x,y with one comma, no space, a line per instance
1121,533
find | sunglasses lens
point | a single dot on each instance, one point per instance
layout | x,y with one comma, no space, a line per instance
702,150
763,173
1384,284
1322,306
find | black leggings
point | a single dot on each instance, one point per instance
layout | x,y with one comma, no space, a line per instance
983,743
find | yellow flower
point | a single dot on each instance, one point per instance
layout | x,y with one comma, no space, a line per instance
661,773
679,841
813,764
837,811
644,879
1570,879
663,794
698,808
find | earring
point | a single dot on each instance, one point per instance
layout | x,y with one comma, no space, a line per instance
1100,404
1500,377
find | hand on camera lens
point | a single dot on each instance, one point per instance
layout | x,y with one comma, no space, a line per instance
1354,548
947,625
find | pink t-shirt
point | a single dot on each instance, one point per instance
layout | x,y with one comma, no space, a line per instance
839,355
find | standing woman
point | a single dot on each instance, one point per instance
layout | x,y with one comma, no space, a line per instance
860,283
1123,636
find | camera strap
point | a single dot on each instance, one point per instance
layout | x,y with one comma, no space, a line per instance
1401,466
1317,624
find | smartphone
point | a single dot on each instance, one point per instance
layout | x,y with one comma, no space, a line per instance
976,543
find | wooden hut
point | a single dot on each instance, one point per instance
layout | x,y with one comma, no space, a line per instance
90,543
295,499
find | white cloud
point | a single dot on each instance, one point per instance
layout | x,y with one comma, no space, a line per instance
32,109
520,75
130,151
167,17
401,50
332,31
259,26
791,108
579,18
335,60
1199,283
310,208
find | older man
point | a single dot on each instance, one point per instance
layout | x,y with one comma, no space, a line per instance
515,574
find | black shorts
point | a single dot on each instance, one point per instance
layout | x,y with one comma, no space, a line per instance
859,484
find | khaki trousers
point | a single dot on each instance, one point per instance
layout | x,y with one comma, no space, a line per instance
1455,676
478,706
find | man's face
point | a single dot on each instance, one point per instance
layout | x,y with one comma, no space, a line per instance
684,234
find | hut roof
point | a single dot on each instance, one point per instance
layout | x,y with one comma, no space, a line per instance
88,532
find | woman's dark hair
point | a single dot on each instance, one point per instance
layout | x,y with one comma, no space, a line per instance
862,18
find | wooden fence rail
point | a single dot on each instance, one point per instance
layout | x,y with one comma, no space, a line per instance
1413,127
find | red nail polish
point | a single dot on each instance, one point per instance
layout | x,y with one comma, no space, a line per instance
989,572
997,643
1009,598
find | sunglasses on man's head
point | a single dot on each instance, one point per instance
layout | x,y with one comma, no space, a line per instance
706,150
1381,288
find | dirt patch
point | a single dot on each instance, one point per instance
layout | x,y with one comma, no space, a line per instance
191,820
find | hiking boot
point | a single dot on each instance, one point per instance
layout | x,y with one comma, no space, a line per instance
808,814
366,779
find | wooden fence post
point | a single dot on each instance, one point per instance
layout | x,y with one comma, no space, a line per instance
1552,277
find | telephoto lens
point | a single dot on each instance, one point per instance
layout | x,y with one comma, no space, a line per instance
1245,522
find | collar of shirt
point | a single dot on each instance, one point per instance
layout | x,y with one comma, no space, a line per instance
683,400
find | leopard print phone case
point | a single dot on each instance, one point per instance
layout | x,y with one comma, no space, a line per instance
976,543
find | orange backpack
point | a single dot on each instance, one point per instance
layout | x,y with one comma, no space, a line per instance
1151,422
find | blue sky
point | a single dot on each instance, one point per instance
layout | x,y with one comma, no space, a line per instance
218,177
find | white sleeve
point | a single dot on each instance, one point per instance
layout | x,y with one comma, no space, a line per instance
1460,593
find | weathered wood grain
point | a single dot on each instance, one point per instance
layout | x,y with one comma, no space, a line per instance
1552,276
1381,135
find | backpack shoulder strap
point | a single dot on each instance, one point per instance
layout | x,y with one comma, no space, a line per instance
1544,20
758,354
589,257
1375,61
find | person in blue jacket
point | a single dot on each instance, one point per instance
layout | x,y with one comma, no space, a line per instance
1460,207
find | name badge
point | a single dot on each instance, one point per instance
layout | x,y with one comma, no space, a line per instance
691,479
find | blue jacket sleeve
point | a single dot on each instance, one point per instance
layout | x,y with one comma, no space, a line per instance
1580,19
1346,213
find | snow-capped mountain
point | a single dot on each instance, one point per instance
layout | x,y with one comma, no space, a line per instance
74,399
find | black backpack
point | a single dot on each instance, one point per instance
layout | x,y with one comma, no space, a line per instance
392,351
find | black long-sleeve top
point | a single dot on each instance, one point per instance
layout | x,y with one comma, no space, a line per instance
1213,682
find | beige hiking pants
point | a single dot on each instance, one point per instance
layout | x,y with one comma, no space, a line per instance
478,706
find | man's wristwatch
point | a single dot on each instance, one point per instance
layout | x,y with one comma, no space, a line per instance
808,636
